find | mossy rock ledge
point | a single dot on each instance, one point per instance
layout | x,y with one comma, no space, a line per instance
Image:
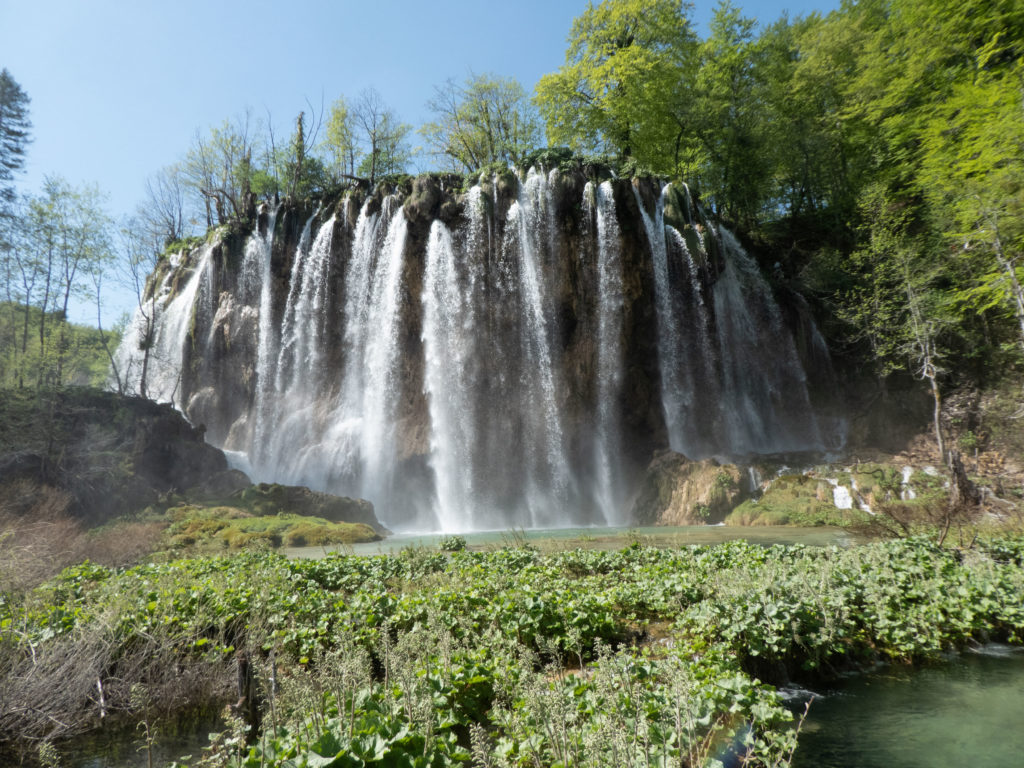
678,491
271,498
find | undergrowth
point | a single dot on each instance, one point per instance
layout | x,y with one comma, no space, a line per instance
503,658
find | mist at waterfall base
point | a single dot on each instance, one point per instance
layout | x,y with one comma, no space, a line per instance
511,361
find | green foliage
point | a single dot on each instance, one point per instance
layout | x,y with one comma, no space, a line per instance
793,500
485,121
428,658
226,527
84,357
619,89
452,544
15,134
875,153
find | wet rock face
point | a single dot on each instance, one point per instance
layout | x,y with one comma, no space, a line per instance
677,491
481,357
170,454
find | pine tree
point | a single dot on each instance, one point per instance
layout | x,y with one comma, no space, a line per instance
15,130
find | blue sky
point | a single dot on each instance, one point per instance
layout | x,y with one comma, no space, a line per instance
119,88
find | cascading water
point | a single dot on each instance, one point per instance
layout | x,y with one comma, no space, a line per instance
609,357
764,404
256,270
151,357
449,325
512,360
725,391
675,396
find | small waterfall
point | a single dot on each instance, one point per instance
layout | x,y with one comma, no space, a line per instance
607,447
528,231
257,262
167,321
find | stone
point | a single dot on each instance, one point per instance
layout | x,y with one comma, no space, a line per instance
678,491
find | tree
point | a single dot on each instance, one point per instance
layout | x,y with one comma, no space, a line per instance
15,134
729,117
486,120
140,257
621,87
220,169
340,143
972,171
66,240
899,304
384,136
305,172
163,209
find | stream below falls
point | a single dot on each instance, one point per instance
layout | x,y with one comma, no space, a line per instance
966,712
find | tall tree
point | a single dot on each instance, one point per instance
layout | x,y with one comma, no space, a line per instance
729,117
163,210
485,120
15,133
339,143
219,168
384,137
621,88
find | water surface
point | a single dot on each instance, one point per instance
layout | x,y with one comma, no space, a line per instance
966,712
556,539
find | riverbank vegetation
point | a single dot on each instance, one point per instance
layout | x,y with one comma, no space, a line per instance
508,657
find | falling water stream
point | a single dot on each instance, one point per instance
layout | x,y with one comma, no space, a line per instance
477,372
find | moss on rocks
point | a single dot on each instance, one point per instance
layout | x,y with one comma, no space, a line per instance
677,491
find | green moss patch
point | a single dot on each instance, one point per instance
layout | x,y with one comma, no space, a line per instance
801,500
224,527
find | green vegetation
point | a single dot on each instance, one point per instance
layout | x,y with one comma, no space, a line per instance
874,153
230,527
508,657
793,500
486,121
79,352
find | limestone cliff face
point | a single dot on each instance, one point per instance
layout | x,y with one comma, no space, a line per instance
509,354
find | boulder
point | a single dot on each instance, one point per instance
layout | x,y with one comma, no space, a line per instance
271,499
678,491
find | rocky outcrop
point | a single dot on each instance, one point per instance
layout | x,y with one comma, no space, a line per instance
97,456
110,455
271,498
677,491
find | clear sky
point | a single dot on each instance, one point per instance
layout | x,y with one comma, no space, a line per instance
119,88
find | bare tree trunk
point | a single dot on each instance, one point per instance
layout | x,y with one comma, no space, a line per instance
98,280
930,374
1009,267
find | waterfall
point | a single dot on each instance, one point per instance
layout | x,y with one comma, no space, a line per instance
609,357
449,325
257,263
166,320
513,360
529,231
764,400
675,395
